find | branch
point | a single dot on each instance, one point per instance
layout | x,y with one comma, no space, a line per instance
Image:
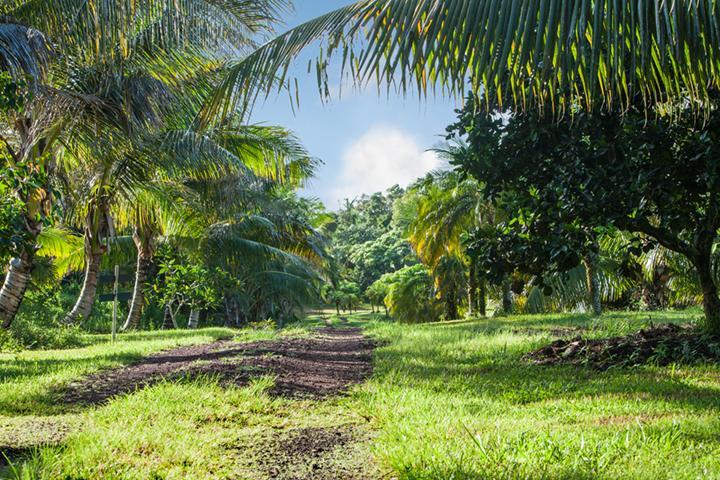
665,238
9,149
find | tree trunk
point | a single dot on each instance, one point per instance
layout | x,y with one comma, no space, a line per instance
144,260
593,287
507,299
83,305
387,314
451,310
96,227
169,319
14,287
194,318
472,292
711,302
482,298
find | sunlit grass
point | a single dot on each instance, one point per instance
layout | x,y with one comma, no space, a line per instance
446,401
456,401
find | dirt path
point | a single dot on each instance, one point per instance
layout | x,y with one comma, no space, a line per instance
325,364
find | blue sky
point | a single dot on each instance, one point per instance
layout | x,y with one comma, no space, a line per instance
367,142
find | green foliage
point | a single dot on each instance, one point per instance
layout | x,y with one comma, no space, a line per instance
21,197
181,283
345,296
566,183
410,296
38,324
371,259
365,242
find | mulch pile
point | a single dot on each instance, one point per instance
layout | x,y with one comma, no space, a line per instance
661,345
326,364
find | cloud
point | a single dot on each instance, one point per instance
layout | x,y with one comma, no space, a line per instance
382,157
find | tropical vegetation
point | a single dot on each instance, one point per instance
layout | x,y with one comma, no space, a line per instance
544,305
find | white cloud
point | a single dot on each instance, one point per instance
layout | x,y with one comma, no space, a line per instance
382,157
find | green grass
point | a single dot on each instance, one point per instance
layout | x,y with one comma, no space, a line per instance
456,401
446,401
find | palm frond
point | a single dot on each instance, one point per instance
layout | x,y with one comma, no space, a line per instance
512,53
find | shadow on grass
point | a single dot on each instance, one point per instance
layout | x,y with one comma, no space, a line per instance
484,358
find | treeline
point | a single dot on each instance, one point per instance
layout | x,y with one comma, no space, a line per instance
538,214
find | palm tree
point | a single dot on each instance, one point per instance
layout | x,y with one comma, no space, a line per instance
112,37
449,208
517,53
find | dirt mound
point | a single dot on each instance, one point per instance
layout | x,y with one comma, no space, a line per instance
326,364
659,345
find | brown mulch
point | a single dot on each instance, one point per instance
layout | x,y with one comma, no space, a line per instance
325,364
661,345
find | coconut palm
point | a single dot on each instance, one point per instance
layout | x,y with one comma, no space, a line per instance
449,208
516,53
173,39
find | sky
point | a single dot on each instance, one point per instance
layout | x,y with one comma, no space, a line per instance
367,142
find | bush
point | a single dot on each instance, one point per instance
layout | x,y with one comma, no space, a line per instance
37,324
410,297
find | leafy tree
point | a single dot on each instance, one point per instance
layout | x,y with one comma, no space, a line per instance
370,260
567,182
181,284
365,242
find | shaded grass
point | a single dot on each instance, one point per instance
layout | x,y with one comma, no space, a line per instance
29,379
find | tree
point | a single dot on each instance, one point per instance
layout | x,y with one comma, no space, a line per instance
410,297
569,181
378,292
181,42
181,284
448,208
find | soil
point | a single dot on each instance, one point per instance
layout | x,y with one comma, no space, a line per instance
314,454
325,364
659,345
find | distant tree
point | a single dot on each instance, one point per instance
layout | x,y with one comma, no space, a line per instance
410,297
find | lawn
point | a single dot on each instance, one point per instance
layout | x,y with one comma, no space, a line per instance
446,401
456,401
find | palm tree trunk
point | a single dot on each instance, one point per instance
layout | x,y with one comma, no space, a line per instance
144,260
14,287
96,225
194,318
590,262
472,291
83,305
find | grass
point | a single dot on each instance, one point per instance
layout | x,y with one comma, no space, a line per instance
446,401
456,401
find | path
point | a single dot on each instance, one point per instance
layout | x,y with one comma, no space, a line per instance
315,367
